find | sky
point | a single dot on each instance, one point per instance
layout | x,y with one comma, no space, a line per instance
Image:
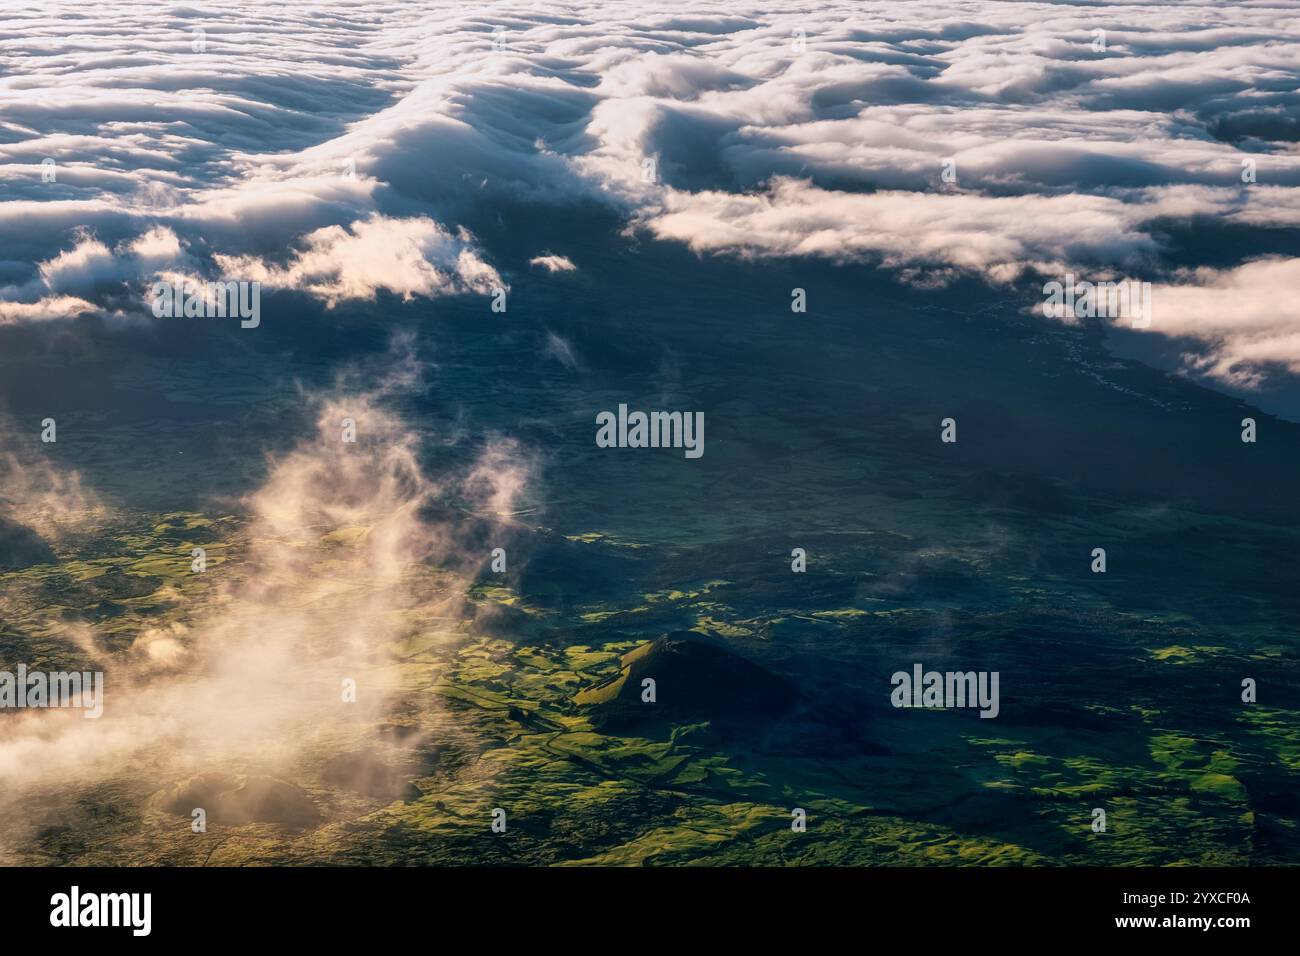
333,148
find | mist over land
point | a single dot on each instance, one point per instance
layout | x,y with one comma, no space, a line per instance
646,190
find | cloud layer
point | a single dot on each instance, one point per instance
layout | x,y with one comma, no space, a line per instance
331,148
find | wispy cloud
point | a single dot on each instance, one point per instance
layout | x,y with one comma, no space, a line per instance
341,538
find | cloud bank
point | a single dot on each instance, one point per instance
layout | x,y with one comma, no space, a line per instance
331,148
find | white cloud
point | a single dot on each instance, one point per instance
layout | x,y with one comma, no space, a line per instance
1245,318
998,235
552,263
44,309
388,125
404,256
